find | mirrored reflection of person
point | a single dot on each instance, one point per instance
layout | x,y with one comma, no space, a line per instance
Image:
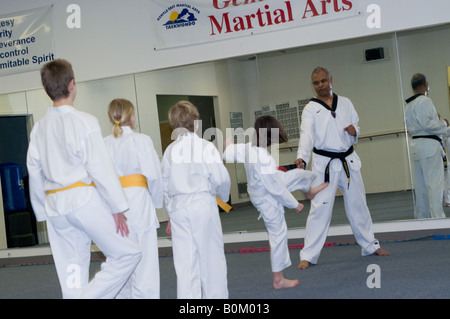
446,144
427,130
329,128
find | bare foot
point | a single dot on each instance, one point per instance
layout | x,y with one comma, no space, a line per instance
381,252
279,282
304,264
315,190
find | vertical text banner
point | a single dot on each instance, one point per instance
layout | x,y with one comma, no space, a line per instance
188,22
26,40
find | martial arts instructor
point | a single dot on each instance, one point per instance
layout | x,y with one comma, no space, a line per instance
329,128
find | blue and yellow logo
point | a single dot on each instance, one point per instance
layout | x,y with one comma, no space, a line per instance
184,18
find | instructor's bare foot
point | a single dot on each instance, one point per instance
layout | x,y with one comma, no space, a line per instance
381,252
313,191
304,264
279,282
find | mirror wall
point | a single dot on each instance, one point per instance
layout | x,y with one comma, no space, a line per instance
378,89
279,82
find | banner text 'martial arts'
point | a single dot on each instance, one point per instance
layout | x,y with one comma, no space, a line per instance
268,16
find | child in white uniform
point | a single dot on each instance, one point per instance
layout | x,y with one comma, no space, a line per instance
65,156
270,189
193,175
139,169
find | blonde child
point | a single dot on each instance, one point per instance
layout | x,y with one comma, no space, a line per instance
139,169
193,175
270,189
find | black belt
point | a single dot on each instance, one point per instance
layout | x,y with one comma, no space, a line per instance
332,156
437,138
434,137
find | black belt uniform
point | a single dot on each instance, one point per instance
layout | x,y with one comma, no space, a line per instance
437,138
332,156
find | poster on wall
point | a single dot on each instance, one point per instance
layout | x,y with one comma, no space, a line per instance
26,40
288,117
188,22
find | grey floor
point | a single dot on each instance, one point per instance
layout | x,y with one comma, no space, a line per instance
419,267
383,207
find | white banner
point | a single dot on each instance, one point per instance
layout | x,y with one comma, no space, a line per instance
26,40
188,22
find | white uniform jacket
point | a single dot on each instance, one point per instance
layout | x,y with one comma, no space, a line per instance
56,161
263,177
192,165
422,120
134,153
323,129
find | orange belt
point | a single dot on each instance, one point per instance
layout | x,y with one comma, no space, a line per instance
77,184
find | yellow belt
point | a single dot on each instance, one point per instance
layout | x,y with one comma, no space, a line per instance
223,205
136,180
139,180
77,184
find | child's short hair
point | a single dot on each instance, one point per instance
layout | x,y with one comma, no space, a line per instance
56,76
182,115
120,112
263,130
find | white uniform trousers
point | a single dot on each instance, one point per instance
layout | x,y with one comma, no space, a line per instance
273,212
198,249
70,240
447,186
429,187
273,215
144,283
358,214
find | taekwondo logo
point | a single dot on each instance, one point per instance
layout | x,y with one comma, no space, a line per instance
181,15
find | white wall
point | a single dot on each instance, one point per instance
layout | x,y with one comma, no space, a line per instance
115,37
377,89
374,89
111,59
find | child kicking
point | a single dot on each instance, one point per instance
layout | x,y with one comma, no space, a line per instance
270,189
